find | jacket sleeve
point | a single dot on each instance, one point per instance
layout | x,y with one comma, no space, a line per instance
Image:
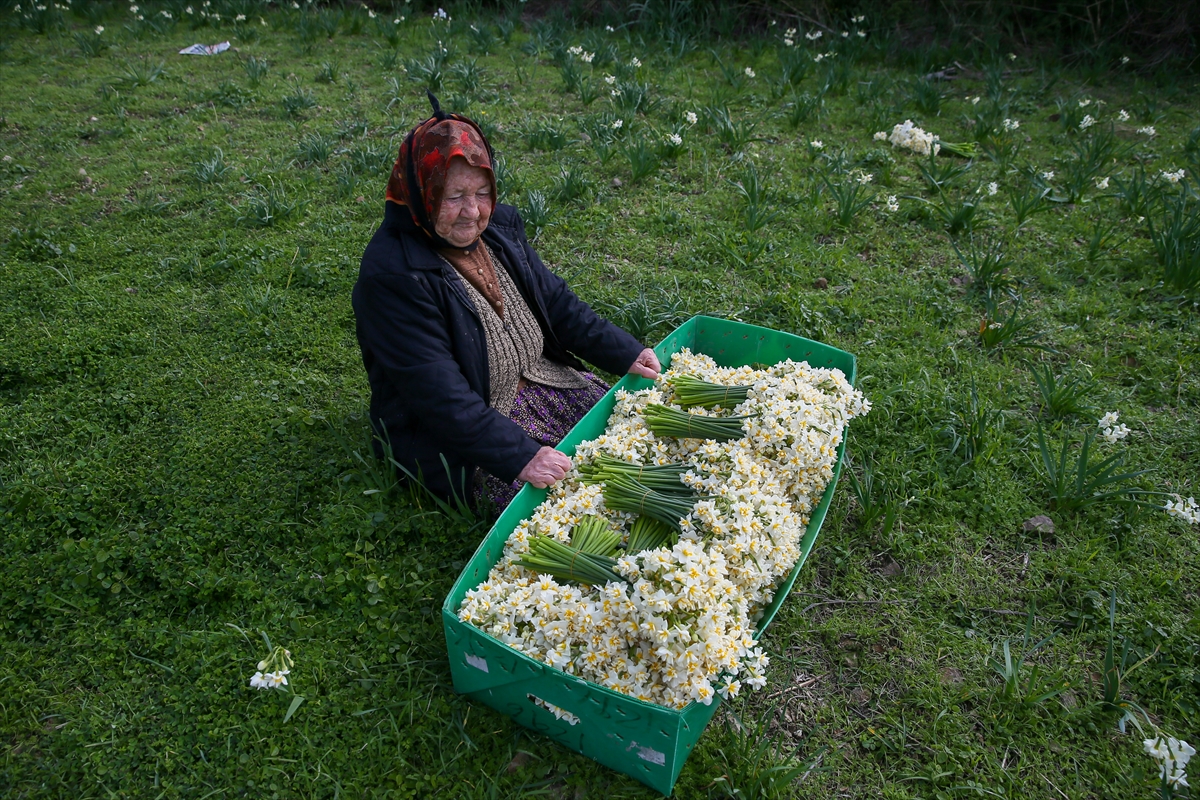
409,338
580,329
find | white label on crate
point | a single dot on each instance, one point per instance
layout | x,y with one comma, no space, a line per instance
477,662
649,754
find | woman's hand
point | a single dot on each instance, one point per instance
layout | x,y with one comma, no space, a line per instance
546,468
646,365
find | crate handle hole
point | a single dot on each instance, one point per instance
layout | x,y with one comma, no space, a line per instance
560,713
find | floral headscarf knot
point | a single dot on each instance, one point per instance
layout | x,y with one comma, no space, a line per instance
419,175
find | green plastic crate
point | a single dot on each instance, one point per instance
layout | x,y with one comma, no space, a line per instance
643,740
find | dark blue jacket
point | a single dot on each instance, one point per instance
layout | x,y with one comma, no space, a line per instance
426,358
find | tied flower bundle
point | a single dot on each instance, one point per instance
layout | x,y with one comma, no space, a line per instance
647,568
910,137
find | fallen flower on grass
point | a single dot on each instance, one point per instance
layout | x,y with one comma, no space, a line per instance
908,136
273,670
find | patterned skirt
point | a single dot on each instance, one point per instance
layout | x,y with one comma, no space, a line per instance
546,414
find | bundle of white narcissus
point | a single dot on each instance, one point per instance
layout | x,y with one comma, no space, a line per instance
910,137
675,620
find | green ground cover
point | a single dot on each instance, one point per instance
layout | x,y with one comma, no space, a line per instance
182,401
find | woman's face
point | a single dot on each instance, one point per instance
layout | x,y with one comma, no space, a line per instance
466,203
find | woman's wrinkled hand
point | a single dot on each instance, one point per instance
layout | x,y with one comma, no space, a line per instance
646,365
546,468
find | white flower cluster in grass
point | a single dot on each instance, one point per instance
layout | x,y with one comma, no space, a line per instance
910,137
1148,130
1186,510
1174,755
1112,431
269,680
1174,177
583,55
1102,183
682,628
1011,125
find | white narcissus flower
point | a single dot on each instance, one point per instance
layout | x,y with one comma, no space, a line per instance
992,188
816,144
675,139
617,123
1174,755
1123,115
610,79
1102,183
634,62
1048,175
1087,122
880,136
1186,510
691,118
99,29
1112,431
908,136
1173,177
749,72
893,204
1148,130
812,37
1011,124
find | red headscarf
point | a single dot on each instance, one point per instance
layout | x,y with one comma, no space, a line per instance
419,174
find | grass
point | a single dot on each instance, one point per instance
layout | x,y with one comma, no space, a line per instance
182,400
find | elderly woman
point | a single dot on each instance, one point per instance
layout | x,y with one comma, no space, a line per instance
472,346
